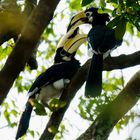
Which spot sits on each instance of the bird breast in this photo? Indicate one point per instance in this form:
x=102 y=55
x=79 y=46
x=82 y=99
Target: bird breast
x=53 y=90
x=48 y=92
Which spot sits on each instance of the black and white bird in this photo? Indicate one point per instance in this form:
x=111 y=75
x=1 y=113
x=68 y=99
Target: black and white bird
x=51 y=83
x=102 y=41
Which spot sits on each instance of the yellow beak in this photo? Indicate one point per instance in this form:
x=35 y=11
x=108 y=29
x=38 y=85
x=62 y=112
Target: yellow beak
x=77 y=20
x=71 y=41
x=72 y=45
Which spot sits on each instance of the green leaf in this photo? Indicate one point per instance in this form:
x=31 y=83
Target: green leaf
x=113 y=1
x=118 y=127
x=138 y=34
x=129 y=28
x=4 y=52
x=39 y=108
x=62 y=126
x=32 y=133
x=13 y=103
x=104 y=11
x=56 y=104
x=7 y=116
x=102 y=3
x=13 y=124
x=136 y=7
x=113 y=22
x=14 y=112
x=120 y=29
x=86 y=2
x=75 y=4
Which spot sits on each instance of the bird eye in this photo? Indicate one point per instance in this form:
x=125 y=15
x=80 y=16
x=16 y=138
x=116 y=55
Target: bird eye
x=88 y=14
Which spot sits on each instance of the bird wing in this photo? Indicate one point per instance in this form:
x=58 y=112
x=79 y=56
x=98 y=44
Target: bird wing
x=109 y=41
x=63 y=70
x=95 y=37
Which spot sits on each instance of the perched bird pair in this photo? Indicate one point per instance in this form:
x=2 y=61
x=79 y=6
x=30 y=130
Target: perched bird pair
x=101 y=41
x=52 y=82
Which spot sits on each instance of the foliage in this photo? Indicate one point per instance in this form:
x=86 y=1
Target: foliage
x=56 y=104
x=125 y=16
x=59 y=135
x=90 y=109
x=39 y=108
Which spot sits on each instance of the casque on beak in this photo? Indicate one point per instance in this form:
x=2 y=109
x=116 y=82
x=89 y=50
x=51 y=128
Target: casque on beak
x=77 y=20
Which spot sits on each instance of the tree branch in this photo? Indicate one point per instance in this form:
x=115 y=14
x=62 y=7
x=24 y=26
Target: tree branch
x=29 y=7
x=114 y=111
x=76 y=83
x=30 y=35
x=122 y=61
x=10 y=29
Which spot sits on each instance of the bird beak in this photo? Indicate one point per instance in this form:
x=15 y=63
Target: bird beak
x=71 y=41
x=77 y=20
x=71 y=46
x=74 y=43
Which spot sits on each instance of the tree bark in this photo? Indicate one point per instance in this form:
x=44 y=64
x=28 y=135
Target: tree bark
x=122 y=61
x=30 y=35
x=76 y=83
x=8 y=25
x=10 y=29
x=114 y=111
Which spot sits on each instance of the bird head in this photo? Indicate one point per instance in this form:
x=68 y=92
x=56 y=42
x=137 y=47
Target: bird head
x=89 y=16
x=63 y=56
x=96 y=18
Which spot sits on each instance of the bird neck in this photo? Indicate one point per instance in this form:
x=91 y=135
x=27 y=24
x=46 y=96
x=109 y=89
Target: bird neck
x=98 y=24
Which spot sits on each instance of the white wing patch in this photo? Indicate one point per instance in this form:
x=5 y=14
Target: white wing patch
x=59 y=84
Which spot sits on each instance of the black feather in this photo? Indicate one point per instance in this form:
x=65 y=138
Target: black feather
x=24 y=121
x=93 y=86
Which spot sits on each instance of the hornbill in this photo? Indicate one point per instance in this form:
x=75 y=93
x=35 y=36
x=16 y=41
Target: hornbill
x=101 y=41
x=51 y=83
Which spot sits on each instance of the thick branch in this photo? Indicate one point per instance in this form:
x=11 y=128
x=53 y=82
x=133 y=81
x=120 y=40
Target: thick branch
x=77 y=82
x=29 y=6
x=10 y=29
x=15 y=63
x=8 y=25
x=122 y=61
x=114 y=111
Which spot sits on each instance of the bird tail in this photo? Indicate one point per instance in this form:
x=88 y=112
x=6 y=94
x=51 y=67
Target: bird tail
x=24 y=121
x=93 y=86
